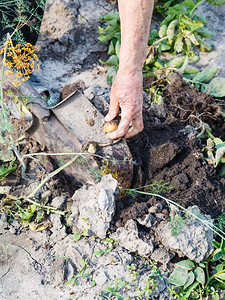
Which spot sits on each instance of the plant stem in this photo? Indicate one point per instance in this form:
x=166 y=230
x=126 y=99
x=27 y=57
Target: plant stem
x=50 y=175
x=211 y=227
x=194 y=8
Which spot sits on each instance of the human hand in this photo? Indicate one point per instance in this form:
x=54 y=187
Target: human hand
x=126 y=93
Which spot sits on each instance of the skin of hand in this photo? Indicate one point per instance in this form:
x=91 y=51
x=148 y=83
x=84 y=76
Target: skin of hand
x=127 y=89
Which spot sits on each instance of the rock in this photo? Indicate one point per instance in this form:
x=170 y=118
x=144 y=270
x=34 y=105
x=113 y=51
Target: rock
x=94 y=207
x=148 y=221
x=100 y=277
x=128 y=238
x=162 y=256
x=58 y=230
x=157 y=110
x=3 y=223
x=58 y=202
x=194 y=240
x=46 y=194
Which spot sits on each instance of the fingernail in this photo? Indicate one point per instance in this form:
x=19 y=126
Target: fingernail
x=107 y=118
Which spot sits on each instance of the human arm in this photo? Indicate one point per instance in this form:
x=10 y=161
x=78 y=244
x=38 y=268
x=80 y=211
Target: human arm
x=127 y=89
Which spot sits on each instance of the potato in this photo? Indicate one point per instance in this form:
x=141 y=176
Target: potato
x=110 y=126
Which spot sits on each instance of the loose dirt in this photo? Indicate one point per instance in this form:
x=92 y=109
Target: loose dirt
x=38 y=264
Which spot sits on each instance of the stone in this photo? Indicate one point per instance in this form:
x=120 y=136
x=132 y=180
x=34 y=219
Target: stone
x=94 y=206
x=58 y=202
x=128 y=238
x=194 y=240
x=148 y=221
x=162 y=256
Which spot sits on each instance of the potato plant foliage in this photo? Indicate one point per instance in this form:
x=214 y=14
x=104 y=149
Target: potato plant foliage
x=181 y=33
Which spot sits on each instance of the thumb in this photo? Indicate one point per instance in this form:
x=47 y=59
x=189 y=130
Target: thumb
x=113 y=108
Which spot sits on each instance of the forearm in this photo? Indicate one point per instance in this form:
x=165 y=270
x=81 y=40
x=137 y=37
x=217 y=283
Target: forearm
x=135 y=16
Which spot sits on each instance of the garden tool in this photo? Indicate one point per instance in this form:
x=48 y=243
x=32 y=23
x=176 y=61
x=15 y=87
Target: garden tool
x=74 y=125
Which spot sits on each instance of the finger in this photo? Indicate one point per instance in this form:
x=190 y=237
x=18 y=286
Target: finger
x=113 y=108
x=122 y=129
x=137 y=127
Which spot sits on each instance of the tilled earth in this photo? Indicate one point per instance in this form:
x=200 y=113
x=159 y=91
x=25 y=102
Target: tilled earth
x=169 y=149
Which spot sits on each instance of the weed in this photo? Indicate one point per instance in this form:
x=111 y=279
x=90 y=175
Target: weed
x=77 y=236
x=212 y=227
x=177 y=223
x=215 y=150
x=200 y=280
x=81 y=273
x=156 y=187
x=108 y=244
x=5 y=249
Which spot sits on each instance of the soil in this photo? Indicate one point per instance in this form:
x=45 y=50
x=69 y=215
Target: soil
x=168 y=149
x=163 y=151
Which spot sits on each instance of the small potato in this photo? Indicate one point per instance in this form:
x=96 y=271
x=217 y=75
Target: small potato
x=110 y=126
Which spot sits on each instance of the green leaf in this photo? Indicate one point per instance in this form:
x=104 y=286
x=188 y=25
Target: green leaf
x=191 y=278
x=104 y=38
x=110 y=17
x=176 y=62
x=170 y=31
x=204 y=45
x=164 y=47
x=191 y=24
x=191 y=70
x=186 y=264
x=220 y=285
x=217 y=256
x=4 y=171
x=216 y=244
x=205 y=75
x=179 y=277
x=218 y=268
x=222 y=171
x=111 y=49
x=117 y=48
x=85 y=232
x=162 y=30
x=217 y=2
x=218 y=142
x=220 y=276
x=112 y=61
x=76 y=236
x=216 y=297
x=178 y=45
x=111 y=74
x=219 y=154
x=199 y=275
x=33 y=208
x=205 y=33
x=216 y=87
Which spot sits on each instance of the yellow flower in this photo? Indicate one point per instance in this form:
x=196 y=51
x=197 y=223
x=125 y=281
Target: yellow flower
x=16 y=83
x=9 y=73
x=19 y=74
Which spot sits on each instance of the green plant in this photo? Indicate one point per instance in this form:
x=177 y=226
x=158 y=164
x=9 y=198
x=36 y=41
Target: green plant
x=108 y=244
x=80 y=274
x=179 y=34
x=77 y=235
x=156 y=187
x=177 y=223
x=215 y=150
x=113 y=290
x=5 y=249
x=212 y=227
x=200 y=280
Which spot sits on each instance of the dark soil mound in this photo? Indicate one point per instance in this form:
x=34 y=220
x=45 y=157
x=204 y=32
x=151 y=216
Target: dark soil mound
x=168 y=150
